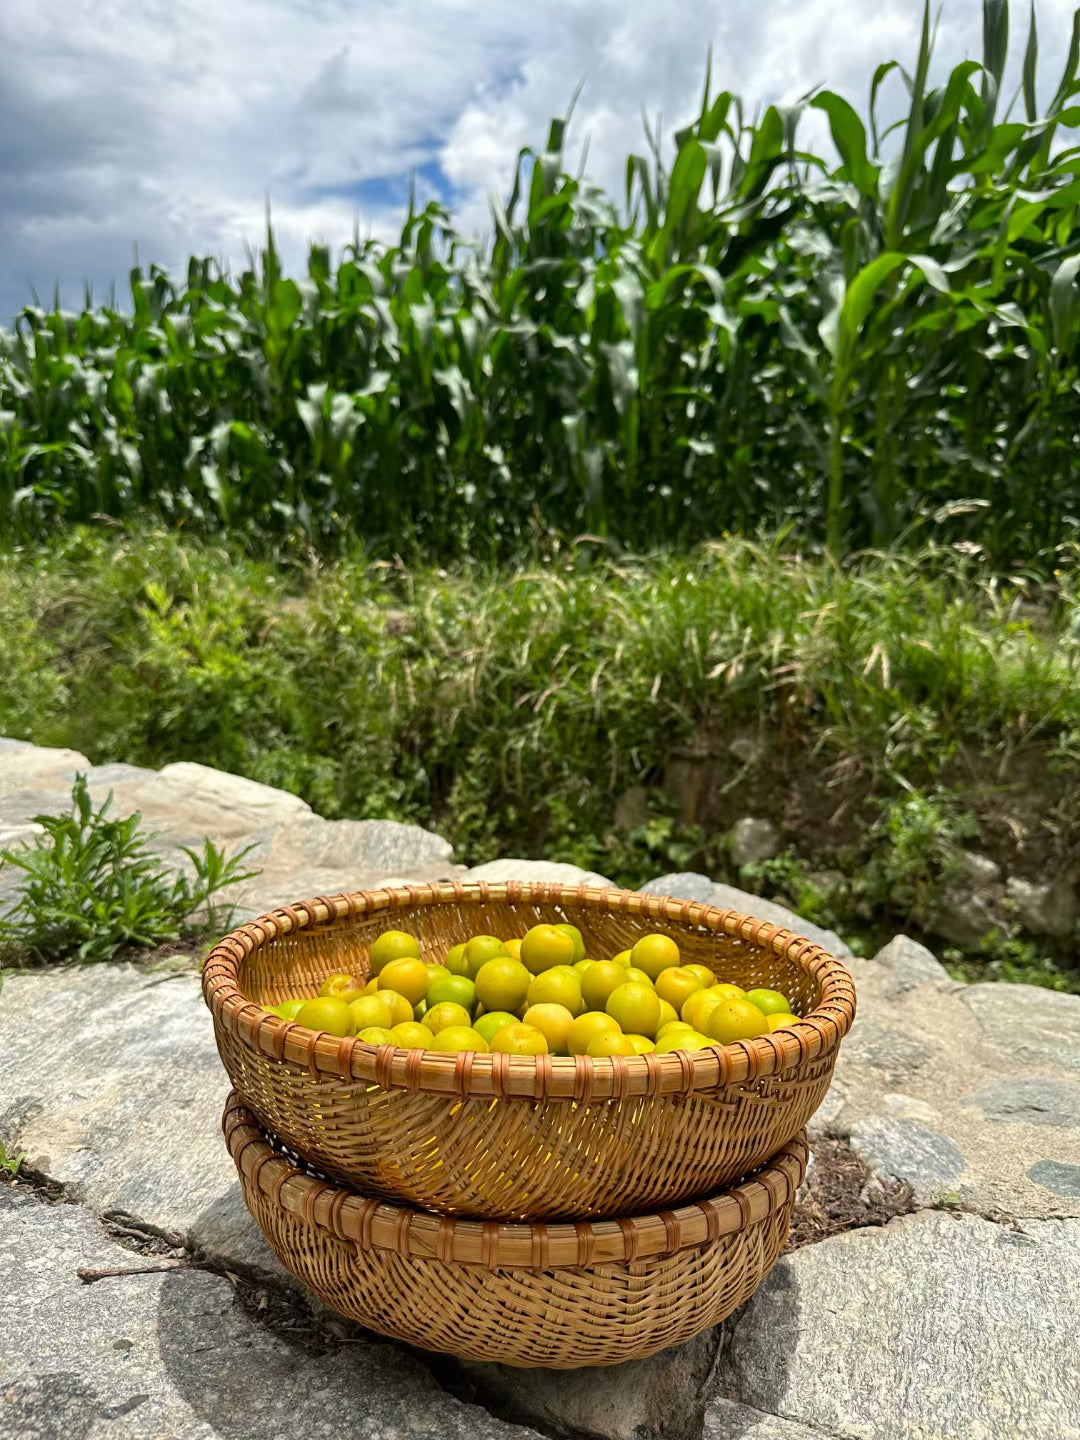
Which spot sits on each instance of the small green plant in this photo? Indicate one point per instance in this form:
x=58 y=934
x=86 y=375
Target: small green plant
x=919 y=853
x=659 y=844
x=10 y=1163
x=93 y=886
x=1013 y=959
x=788 y=877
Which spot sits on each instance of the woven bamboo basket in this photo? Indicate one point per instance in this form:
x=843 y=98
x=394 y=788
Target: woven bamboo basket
x=523 y=1137
x=562 y=1295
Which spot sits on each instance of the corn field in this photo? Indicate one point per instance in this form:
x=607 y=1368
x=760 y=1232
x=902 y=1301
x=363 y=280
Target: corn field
x=867 y=348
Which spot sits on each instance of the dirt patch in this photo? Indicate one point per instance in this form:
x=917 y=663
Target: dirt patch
x=1024 y=799
x=840 y=1195
x=128 y=1232
x=1026 y=804
x=316 y=1329
x=820 y=804
x=29 y=1181
x=174 y=957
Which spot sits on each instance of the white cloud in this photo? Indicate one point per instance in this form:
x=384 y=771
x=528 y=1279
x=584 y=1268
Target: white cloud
x=165 y=126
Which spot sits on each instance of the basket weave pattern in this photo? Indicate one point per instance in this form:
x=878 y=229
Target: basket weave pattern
x=569 y=1295
x=523 y=1137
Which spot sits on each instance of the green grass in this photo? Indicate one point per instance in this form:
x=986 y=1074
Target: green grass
x=510 y=707
x=373 y=688
x=10 y=1164
x=755 y=336
x=506 y=702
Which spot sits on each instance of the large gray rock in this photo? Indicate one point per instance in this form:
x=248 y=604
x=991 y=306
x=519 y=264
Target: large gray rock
x=727 y=1420
x=545 y=872
x=30 y=780
x=687 y=885
x=311 y=856
x=960 y=1090
x=978 y=872
x=297 y=853
x=936 y=1327
x=1046 y=909
x=891 y=1051
x=966 y=917
x=1030 y=1102
x=904 y=1143
x=173 y=1356
x=909 y=965
x=111 y=1084
x=185 y=784
x=753 y=840
x=1057 y=1178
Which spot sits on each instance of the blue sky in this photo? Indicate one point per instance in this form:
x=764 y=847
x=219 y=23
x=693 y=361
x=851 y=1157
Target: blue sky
x=162 y=126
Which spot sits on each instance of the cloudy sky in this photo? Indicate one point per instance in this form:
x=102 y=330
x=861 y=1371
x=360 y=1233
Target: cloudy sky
x=164 y=125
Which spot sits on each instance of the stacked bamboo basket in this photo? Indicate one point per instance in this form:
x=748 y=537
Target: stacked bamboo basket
x=536 y=1210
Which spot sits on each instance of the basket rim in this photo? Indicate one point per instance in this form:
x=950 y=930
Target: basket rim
x=581 y=1078
x=373 y=1224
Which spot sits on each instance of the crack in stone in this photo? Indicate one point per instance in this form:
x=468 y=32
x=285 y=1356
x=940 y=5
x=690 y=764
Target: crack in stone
x=268 y=1304
x=750 y=1414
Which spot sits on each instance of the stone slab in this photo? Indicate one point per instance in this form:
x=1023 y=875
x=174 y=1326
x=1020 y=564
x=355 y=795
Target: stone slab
x=934 y=1069
x=753 y=840
x=1045 y=909
x=727 y=1420
x=906 y=1148
x=1057 y=1178
x=1030 y=1102
x=1026 y=1024
x=893 y=1053
x=111 y=1085
x=173 y=1356
x=937 y=1327
x=910 y=965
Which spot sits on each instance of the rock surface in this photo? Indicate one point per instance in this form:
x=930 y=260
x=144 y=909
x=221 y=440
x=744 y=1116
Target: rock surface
x=938 y=1327
x=663 y=1396
x=966 y=917
x=1025 y=1024
x=686 y=885
x=978 y=872
x=910 y=964
x=727 y=1420
x=173 y=1356
x=111 y=1085
x=124 y=1103
x=298 y=853
x=963 y=1091
x=1049 y=909
x=903 y=1142
x=1057 y=1178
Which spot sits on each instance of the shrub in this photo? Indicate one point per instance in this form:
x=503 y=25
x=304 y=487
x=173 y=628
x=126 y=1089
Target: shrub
x=92 y=886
